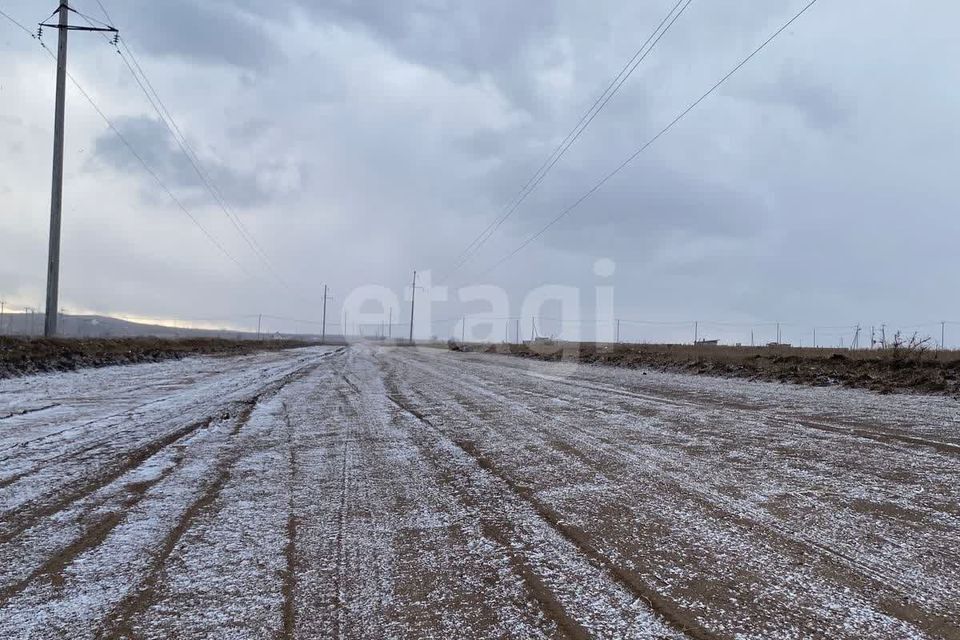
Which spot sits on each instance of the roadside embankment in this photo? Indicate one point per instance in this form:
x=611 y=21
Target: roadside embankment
x=27 y=356
x=885 y=371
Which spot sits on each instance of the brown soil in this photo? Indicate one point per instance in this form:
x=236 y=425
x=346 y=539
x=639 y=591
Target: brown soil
x=885 y=371
x=27 y=356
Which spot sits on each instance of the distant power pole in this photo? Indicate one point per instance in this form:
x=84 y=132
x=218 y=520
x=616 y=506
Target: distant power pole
x=56 y=191
x=463 y=330
x=323 y=323
x=696 y=331
x=814 y=337
x=259 y=322
x=618 y=331
x=533 y=329
x=518 y=331
x=751 y=338
x=413 y=303
x=778 y=333
x=943 y=345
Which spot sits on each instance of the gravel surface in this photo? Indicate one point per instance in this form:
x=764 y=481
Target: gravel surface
x=370 y=492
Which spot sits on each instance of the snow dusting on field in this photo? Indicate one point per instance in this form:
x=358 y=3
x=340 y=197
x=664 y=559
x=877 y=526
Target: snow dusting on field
x=369 y=492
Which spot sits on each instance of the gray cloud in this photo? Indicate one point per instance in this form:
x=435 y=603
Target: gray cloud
x=364 y=139
x=200 y=31
x=818 y=103
x=268 y=181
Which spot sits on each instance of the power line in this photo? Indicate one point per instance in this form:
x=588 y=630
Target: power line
x=652 y=140
x=136 y=155
x=574 y=134
x=191 y=155
x=18 y=24
x=153 y=97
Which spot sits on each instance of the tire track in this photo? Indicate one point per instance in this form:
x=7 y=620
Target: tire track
x=28 y=514
x=290 y=549
x=632 y=583
x=873 y=578
x=32 y=511
x=121 y=619
x=849 y=429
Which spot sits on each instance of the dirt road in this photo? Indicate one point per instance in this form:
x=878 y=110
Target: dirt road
x=370 y=493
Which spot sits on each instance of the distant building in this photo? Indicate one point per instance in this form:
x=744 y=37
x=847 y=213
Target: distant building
x=708 y=343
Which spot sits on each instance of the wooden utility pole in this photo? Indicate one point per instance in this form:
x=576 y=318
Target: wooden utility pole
x=413 y=303
x=259 y=322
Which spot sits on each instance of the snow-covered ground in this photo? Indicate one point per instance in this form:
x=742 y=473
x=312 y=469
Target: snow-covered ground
x=373 y=493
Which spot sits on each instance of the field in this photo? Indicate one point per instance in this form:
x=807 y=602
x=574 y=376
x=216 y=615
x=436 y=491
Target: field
x=382 y=492
x=884 y=370
x=23 y=356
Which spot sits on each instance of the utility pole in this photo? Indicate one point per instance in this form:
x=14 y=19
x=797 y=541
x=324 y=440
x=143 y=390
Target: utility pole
x=518 y=331
x=751 y=338
x=618 y=331
x=323 y=323
x=533 y=329
x=696 y=332
x=56 y=190
x=390 y=324
x=413 y=303
x=778 y=334
x=2 y=304
x=259 y=322
x=814 y=337
x=942 y=331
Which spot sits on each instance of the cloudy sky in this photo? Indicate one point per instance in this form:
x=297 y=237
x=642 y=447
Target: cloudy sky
x=359 y=140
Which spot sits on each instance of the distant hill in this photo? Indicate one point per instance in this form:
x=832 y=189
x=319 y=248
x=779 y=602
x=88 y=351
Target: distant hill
x=75 y=326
